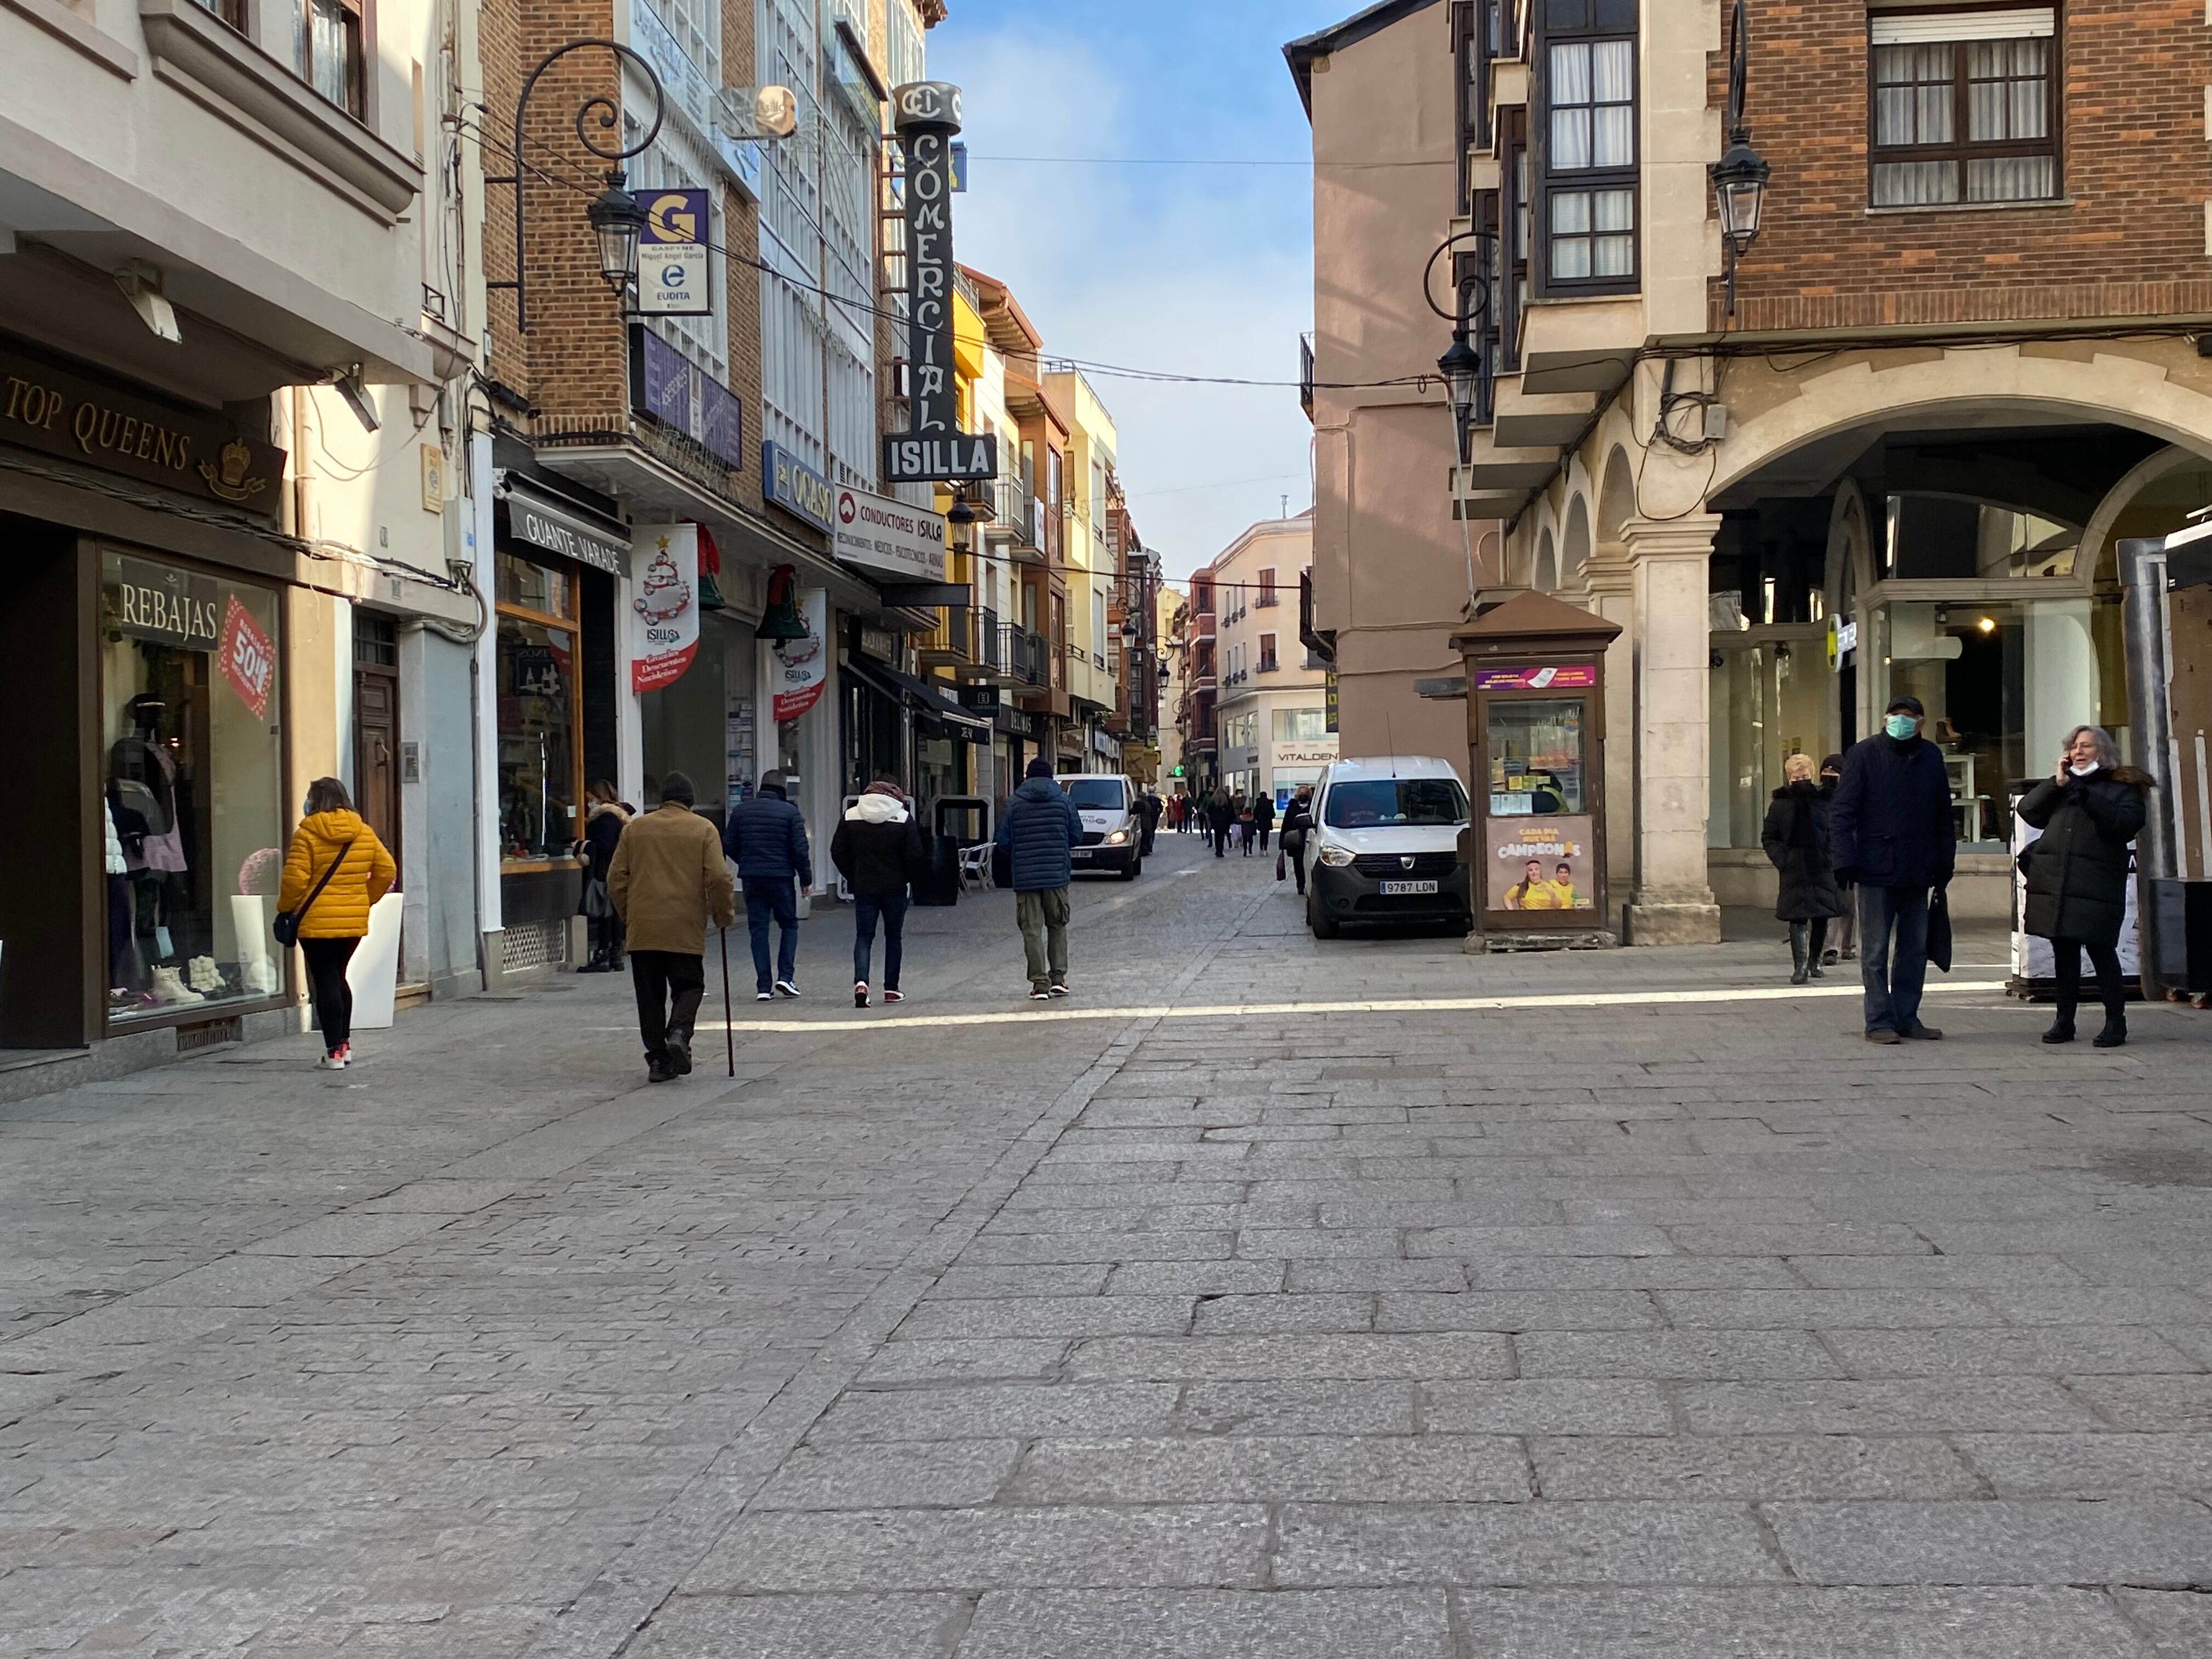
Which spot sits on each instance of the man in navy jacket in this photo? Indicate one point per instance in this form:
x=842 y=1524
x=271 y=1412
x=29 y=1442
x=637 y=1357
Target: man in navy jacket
x=1891 y=831
x=1040 y=826
x=767 y=840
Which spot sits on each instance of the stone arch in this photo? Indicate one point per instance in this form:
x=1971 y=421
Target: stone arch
x=1616 y=502
x=1575 y=540
x=2097 y=534
x=1545 y=575
x=2110 y=388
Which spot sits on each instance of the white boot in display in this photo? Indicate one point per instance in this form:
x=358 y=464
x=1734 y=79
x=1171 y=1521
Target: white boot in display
x=169 y=987
x=202 y=976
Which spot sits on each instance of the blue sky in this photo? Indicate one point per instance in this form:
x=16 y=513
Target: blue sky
x=1194 y=268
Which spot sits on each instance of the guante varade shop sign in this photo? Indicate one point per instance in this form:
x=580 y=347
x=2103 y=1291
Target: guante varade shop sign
x=58 y=413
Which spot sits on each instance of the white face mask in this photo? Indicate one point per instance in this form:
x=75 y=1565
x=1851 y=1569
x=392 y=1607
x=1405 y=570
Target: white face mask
x=2080 y=771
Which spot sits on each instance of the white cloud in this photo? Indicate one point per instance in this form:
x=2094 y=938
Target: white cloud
x=1203 y=270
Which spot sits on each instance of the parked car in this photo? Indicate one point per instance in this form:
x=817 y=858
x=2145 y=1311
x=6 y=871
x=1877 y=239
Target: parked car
x=1108 y=804
x=1385 y=845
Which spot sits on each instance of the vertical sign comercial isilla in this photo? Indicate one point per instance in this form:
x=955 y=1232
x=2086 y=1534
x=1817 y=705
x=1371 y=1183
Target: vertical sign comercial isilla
x=926 y=115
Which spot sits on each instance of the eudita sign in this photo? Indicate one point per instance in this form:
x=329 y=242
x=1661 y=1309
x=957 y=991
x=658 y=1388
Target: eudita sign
x=926 y=115
x=64 y=414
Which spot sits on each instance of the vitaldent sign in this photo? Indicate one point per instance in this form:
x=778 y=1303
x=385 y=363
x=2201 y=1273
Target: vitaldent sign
x=890 y=537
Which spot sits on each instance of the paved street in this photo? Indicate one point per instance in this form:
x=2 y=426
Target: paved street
x=1605 y=1305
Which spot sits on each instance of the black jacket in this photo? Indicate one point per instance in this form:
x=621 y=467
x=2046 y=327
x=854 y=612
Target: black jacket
x=1219 y=813
x=2077 y=869
x=1298 y=819
x=1796 y=842
x=1889 y=822
x=879 y=859
x=1263 y=812
x=767 y=839
x=603 y=830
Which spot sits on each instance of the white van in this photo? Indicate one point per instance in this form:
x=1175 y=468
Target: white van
x=1385 y=845
x=1111 y=806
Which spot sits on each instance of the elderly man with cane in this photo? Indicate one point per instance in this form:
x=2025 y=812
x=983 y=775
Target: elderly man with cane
x=667 y=879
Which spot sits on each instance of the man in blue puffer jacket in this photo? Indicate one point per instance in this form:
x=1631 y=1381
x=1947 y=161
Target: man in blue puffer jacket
x=1889 y=829
x=1041 y=824
x=767 y=840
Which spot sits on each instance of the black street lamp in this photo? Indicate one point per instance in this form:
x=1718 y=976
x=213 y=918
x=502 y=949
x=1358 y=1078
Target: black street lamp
x=615 y=217
x=961 y=519
x=1461 y=364
x=1740 y=176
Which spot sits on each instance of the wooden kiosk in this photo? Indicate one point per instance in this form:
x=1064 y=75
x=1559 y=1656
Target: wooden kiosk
x=1535 y=742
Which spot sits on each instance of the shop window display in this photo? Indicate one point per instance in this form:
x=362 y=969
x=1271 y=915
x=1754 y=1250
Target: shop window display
x=193 y=781
x=540 y=736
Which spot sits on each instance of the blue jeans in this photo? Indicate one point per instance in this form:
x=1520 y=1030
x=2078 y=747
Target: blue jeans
x=1892 y=993
x=866 y=908
x=773 y=898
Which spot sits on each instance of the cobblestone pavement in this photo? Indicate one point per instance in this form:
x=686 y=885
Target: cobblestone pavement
x=1624 y=1306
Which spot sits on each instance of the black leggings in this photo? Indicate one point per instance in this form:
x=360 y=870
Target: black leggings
x=2066 y=962
x=327 y=990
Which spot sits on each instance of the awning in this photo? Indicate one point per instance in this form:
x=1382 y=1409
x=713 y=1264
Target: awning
x=919 y=694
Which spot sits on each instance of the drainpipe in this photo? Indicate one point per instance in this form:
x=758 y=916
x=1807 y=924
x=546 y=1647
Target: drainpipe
x=2142 y=577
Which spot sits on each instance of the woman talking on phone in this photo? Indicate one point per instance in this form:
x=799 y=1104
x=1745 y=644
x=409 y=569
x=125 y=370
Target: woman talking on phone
x=2089 y=810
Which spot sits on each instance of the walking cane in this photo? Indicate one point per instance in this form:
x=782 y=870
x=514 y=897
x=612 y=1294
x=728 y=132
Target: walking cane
x=729 y=1022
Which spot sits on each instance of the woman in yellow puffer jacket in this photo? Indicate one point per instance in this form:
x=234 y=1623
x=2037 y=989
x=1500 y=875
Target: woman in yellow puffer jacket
x=331 y=831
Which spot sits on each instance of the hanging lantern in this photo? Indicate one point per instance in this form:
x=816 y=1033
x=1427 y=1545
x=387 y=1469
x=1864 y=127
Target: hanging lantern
x=779 y=617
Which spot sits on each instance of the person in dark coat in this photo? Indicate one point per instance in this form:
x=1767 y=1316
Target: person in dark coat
x=1297 y=823
x=767 y=840
x=1890 y=831
x=879 y=851
x=1152 y=807
x=1263 y=816
x=1842 y=929
x=1040 y=826
x=2089 y=810
x=604 y=821
x=1796 y=842
x=1218 y=817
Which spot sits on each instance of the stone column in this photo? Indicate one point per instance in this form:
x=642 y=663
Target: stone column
x=1671 y=902
x=1612 y=596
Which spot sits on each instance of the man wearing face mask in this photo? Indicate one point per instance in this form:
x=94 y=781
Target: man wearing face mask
x=1891 y=831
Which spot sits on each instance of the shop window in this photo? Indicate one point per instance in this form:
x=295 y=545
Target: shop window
x=1588 y=130
x=540 y=713
x=1964 y=107
x=194 y=779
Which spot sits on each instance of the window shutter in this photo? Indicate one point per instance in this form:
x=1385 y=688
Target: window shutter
x=2026 y=23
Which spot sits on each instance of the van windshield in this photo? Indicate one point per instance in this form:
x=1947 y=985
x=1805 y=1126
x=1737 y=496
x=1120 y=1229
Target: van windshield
x=1381 y=803
x=1095 y=794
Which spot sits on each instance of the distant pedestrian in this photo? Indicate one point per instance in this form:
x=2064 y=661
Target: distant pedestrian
x=1218 y=817
x=1245 y=826
x=1263 y=816
x=2089 y=810
x=1843 y=930
x=1796 y=838
x=767 y=840
x=605 y=820
x=667 y=880
x=1891 y=831
x=1298 y=824
x=879 y=851
x=335 y=870
x=1040 y=826
x=1152 y=806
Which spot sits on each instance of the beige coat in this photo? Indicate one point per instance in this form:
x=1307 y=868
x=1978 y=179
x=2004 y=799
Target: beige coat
x=666 y=877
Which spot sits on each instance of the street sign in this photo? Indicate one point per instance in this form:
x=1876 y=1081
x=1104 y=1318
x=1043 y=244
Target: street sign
x=673 y=274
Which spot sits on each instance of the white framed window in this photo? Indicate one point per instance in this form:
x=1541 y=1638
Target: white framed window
x=1963 y=106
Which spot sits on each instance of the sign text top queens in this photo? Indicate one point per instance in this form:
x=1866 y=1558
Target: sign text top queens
x=926 y=115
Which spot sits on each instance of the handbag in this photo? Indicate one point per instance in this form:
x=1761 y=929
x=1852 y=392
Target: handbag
x=598 y=903
x=286 y=927
x=1282 y=869
x=1939 y=930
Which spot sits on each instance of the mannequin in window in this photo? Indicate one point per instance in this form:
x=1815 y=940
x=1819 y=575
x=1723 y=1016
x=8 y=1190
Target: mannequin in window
x=142 y=780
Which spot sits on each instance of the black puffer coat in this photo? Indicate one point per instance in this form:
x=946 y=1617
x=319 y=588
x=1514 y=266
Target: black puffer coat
x=2077 y=869
x=1796 y=842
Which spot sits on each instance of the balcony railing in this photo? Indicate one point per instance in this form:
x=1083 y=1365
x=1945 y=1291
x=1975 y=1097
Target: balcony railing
x=953 y=639
x=1268 y=597
x=1268 y=666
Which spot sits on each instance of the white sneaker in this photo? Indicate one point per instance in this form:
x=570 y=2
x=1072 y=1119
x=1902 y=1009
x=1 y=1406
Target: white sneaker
x=332 y=1062
x=1040 y=996
x=785 y=988
x=764 y=996
x=1057 y=991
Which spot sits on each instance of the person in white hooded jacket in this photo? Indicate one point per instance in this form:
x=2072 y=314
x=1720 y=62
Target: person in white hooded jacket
x=879 y=849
